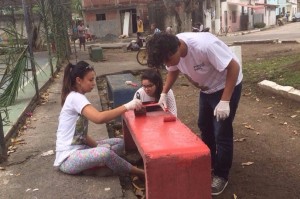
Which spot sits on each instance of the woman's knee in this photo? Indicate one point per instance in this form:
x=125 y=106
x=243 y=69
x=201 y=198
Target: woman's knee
x=102 y=152
x=120 y=141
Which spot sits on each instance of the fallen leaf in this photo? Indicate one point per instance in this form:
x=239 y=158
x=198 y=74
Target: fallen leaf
x=28 y=189
x=17 y=141
x=247 y=94
x=249 y=127
x=107 y=189
x=270 y=107
x=2 y=168
x=47 y=153
x=234 y=196
x=247 y=163
x=293 y=116
x=139 y=192
x=283 y=123
x=11 y=147
x=36 y=189
x=240 y=140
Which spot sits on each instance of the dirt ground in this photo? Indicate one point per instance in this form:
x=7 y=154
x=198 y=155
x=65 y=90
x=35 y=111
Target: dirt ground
x=267 y=129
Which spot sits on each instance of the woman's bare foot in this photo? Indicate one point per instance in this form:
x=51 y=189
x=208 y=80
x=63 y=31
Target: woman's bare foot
x=139 y=172
x=99 y=171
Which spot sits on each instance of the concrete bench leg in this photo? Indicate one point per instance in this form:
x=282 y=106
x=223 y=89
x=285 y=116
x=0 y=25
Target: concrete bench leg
x=128 y=140
x=181 y=177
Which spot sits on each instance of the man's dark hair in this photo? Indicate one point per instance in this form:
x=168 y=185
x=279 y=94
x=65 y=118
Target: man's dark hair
x=160 y=47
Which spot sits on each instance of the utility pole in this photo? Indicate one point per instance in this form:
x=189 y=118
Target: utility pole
x=217 y=16
x=249 y=16
x=46 y=25
x=28 y=24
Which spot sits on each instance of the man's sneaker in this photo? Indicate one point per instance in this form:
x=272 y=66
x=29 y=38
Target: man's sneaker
x=218 y=185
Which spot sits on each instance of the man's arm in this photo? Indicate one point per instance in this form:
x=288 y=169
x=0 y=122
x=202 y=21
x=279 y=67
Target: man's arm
x=222 y=110
x=171 y=78
x=233 y=70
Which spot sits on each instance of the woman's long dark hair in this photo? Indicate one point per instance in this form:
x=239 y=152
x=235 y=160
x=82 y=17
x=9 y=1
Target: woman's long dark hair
x=154 y=77
x=70 y=74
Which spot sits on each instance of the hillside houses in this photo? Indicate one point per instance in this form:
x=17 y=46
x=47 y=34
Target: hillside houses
x=118 y=17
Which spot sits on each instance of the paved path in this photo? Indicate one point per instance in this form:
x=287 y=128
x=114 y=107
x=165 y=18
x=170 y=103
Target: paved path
x=27 y=170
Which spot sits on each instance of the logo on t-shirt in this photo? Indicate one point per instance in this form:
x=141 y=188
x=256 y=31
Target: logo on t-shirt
x=80 y=131
x=199 y=67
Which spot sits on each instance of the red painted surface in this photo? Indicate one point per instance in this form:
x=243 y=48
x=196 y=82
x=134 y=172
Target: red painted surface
x=176 y=161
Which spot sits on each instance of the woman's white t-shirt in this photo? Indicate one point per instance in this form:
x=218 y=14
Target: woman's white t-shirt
x=206 y=61
x=171 y=103
x=72 y=127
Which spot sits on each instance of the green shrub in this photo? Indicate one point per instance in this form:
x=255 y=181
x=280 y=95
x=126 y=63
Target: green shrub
x=259 y=25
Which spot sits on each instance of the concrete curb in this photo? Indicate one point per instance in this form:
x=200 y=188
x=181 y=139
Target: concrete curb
x=265 y=41
x=285 y=91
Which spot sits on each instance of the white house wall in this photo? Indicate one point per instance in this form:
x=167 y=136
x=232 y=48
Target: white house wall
x=224 y=7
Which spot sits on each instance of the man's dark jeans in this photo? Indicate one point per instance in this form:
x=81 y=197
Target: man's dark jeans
x=218 y=136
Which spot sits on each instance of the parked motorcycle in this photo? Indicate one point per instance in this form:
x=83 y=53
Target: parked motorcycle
x=280 y=21
x=198 y=30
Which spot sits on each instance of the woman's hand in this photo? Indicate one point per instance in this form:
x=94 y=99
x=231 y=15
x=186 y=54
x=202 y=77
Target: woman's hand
x=134 y=104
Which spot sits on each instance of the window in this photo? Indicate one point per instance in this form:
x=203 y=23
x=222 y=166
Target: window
x=233 y=16
x=100 y=17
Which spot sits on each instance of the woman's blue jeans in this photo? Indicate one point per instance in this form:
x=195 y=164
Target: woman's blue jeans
x=218 y=136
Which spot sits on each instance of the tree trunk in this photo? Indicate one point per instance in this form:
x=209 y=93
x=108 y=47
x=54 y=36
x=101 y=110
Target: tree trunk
x=3 y=150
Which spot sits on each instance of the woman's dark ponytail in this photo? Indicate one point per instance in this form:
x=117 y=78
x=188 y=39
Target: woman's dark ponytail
x=67 y=84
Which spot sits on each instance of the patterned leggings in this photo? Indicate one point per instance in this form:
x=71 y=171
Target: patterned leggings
x=106 y=153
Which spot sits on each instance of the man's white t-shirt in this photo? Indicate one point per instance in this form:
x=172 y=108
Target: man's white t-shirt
x=72 y=127
x=206 y=61
x=171 y=103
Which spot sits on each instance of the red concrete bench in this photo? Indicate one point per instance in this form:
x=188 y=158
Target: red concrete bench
x=176 y=161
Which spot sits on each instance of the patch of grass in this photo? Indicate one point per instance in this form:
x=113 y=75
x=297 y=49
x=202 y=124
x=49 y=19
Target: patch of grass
x=284 y=70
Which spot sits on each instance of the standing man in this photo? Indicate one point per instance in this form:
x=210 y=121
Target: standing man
x=140 y=30
x=210 y=65
x=81 y=34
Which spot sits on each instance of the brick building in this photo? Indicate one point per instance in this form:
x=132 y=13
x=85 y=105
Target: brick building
x=111 y=18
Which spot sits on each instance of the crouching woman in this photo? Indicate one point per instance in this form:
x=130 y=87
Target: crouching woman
x=76 y=151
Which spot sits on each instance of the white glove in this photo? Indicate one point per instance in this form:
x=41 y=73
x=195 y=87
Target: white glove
x=134 y=104
x=163 y=101
x=222 y=110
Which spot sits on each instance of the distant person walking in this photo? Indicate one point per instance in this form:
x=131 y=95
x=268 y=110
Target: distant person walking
x=81 y=34
x=140 y=30
x=140 y=26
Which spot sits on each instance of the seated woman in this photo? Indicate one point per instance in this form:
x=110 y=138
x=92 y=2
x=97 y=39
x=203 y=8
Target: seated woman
x=76 y=151
x=151 y=89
